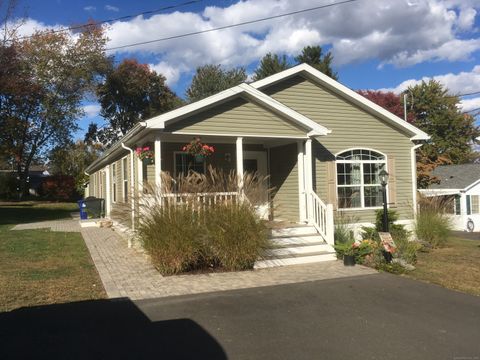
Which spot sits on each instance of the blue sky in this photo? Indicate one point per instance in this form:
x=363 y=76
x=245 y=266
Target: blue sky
x=377 y=44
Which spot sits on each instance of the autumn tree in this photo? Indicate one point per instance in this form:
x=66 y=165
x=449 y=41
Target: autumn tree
x=131 y=92
x=388 y=100
x=313 y=56
x=211 y=79
x=48 y=75
x=72 y=159
x=270 y=64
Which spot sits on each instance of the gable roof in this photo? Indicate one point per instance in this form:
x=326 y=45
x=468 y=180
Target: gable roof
x=313 y=128
x=456 y=176
x=359 y=100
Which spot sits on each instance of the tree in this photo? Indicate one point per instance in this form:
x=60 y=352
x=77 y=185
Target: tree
x=48 y=75
x=270 y=64
x=388 y=100
x=211 y=79
x=453 y=134
x=313 y=56
x=73 y=159
x=131 y=92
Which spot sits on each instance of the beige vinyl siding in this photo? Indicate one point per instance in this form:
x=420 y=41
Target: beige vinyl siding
x=351 y=127
x=284 y=180
x=237 y=117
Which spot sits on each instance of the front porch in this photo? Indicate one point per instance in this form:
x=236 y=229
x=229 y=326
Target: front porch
x=286 y=163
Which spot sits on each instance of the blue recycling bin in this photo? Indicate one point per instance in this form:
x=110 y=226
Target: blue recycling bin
x=83 y=209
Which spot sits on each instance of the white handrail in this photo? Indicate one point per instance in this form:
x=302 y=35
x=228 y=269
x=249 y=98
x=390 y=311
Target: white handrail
x=320 y=215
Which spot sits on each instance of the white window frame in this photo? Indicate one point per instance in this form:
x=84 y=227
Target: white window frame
x=114 y=183
x=125 y=179
x=175 y=153
x=362 y=184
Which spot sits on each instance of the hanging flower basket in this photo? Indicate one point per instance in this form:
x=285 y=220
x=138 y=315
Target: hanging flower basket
x=145 y=154
x=198 y=149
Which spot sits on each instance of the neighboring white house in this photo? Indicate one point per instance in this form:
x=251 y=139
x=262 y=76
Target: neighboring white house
x=461 y=184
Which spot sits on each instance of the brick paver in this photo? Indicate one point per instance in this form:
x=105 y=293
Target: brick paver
x=56 y=225
x=127 y=272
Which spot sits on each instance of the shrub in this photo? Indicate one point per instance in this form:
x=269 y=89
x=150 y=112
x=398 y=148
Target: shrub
x=196 y=233
x=8 y=185
x=236 y=236
x=59 y=187
x=433 y=224
x=172 y=236
x=342 y=232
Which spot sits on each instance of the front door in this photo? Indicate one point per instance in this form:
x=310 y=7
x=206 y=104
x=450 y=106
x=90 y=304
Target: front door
x=256 y=162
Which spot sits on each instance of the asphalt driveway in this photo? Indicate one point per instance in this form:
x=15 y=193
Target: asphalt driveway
x=369 y=317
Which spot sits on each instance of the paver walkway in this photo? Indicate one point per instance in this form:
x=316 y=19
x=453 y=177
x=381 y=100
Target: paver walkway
x=127 y=272
x=55 y=225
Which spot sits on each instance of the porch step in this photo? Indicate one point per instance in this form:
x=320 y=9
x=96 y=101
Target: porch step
x=294 y=231
x=297 y=244
x=262 y=264
x=299 y=250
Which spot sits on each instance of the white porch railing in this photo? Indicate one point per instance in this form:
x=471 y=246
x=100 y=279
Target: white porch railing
x=320 y=215
x=200 y=198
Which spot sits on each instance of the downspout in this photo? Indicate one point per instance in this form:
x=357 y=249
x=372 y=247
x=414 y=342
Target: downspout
x=414 y=178
x=132 y=186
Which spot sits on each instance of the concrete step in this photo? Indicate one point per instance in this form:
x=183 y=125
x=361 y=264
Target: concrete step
x=297 y=240
x=267 y=263
x=299 y=250
x=294 y=231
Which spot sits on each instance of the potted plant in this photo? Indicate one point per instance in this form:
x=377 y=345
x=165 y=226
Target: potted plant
x=198 y=149
x=145 y=154
x=349 y=255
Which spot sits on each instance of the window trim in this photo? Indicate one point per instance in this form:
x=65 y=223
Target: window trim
x=362 y=184
x=175 y=153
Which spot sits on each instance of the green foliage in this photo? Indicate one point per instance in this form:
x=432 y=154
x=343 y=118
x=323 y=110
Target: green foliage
x=433 y=224
x=43 y=81
x=342 y=232
x=236 y=236
x=211 y=79
x=72 y=160
x=313 y=56
x=130 y=93
x=452 y=133
x=8 y=185
x=270 y=64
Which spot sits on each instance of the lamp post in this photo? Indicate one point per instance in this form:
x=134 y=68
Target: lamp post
x=384 y=181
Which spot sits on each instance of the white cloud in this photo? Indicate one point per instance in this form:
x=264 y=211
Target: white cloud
x=461 y=83
x=90 y=8
x=470 y=104
x=394 y=32
x=112 y=8
x=91 y=110
x=397 y=32
x=171 y=73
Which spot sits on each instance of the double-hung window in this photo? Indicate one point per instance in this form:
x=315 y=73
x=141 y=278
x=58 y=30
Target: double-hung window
x=358 y=180
x=125 y=179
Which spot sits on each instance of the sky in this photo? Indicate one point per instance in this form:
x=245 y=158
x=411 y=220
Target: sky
x=377 y=44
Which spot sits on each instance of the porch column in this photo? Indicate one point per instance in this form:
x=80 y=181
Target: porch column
x=158 y=164
x=301 y=182
x=308 y=175
x=108 y=200
x=239 y=153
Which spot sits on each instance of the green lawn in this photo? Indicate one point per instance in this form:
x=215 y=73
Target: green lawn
x=40 y=266
x=455 y=266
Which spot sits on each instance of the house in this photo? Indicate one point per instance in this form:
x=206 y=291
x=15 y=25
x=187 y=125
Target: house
x=36 y=175
x=459 y=187
x=321 y=143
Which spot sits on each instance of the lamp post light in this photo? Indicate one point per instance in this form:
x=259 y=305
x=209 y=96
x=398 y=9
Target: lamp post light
x=384 y=181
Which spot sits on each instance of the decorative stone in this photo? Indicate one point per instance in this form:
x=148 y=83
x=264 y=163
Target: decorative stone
x=403 y=264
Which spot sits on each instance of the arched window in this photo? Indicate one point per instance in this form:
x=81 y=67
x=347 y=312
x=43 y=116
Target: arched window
x=358 y=182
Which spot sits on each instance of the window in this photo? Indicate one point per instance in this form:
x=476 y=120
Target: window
x=114 y=183
x=458 y=209
x=475 y=204
x=358 y=180
x=125 y=179
x=185 y=162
